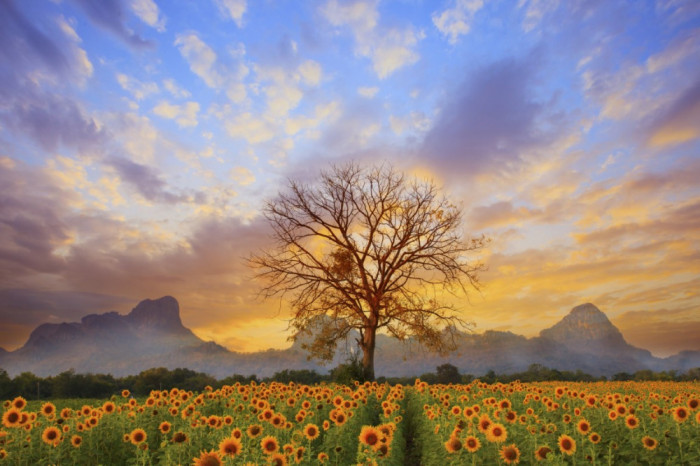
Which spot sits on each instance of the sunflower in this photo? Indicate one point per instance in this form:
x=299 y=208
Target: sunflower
x=631 y=421
x=583 y=427
x=453 y=445
x=472 y=444
x=693 y=403
x=680 y=414
x=370 y=436
x=311 y=431
x=277 y=459
x=19 y=403
x=649 y=443
x=179 y=437
x=299 y=454
x=51 y=436
x=269 y=445
x=567 y=445
x=76 y=441
x=230 y=447
x=322 y=457
x=165 y=427
x=542 y=452
x=12 y=418
x=48 y=409
x=137 y=436
x=108 y=407
x=254 y=430
x=496 y=433
x=126 y=393
x=510 y=454
x=484 y=423
x=3 y=454
x=208 y=458
x=594 y=437
x=340 y=418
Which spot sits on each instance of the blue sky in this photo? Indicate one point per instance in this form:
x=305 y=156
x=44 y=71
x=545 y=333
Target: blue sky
x=139 y=139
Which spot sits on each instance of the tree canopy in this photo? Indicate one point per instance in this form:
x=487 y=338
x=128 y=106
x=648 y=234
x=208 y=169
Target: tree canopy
x=366 y=249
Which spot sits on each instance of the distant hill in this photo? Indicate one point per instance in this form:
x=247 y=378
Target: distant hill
x=152 y=335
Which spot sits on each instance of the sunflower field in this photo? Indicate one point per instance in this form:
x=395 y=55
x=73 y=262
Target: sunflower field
x=370 y=423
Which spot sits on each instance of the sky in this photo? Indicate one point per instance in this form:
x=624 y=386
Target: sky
x=139 y=140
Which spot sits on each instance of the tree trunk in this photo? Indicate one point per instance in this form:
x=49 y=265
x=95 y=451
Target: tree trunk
x=368 y=343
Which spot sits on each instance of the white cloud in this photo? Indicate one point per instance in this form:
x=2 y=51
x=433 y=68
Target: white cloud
x=393 y=51
x=536 y=10
x=368 y=92
x=415 y=121
x=361 y=16
x=203 y=63
x=184 y=115
x=235 y=9
x=148 y=12
x=388 y=50
x=68 y=29
x=175 y=90
x=242 y=176
x=201 y=58
x=310 y=72
x=138 y=89
x=83 y=65
x=324 y=113
x=456 y=21
x=251 y=128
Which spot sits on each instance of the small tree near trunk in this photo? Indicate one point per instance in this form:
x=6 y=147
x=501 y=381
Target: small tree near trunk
x=368 y=249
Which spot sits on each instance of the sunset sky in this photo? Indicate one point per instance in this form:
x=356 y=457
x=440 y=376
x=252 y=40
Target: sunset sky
x=140 y=138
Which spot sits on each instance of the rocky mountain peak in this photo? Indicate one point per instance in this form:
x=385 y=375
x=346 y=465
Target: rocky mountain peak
x=584 y=323
x=160 y=314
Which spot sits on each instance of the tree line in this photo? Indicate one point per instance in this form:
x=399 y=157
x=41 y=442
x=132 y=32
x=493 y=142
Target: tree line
x=69 y=384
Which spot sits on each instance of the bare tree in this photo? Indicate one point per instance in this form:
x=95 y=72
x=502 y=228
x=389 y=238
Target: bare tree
x=368 y=249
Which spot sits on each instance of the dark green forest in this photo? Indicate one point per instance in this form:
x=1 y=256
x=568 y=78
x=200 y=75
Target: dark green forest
x=71 y=385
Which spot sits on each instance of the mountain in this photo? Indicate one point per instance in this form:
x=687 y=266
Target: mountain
x=152 y=335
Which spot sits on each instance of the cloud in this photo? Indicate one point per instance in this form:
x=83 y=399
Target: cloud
x=456 y=21
x=234 y=9
x=201 y=58
x=110 y=16
x=499 y=214
x=175 y=90
x=388 y=49
x=26 y=50
x=535 y=12
x=51 y=120
x=490 y=121
x=203 y=62
x=146 y=180
x=681 y=122
x=148 y=12
x=138 y=89
x=242 y=176
x=664 y=331
x=185 y=115
x=310 y=72
x=367 y=92
x=250 y=127
x=33 y=222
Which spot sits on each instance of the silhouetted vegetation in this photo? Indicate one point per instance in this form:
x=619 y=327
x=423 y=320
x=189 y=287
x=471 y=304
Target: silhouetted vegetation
x=68 y=384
